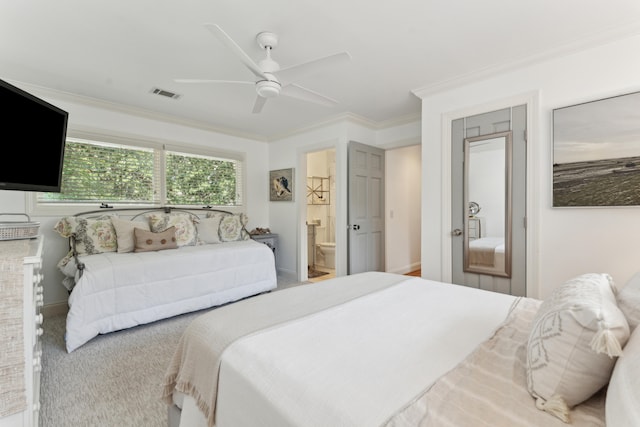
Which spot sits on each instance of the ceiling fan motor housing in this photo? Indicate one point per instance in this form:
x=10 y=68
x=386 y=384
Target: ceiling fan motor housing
x=268 y=88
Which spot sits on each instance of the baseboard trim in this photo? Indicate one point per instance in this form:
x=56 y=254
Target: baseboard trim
x=407 y=269
x=288 y=274
x=56 y=309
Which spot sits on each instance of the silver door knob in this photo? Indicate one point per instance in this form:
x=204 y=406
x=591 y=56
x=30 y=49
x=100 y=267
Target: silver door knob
x=456 y=232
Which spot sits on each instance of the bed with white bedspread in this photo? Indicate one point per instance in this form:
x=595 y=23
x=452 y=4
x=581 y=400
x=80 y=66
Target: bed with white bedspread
x=118 y=282
x=379 y=349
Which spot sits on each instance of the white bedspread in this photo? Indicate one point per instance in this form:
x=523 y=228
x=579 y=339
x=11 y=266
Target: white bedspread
x=357 y=363
x=121 y=290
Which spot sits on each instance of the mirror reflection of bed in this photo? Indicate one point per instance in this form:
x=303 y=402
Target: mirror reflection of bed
x=488 y=203
x=487 y=252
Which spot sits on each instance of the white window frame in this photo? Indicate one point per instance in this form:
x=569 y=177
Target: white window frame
x=36 y=209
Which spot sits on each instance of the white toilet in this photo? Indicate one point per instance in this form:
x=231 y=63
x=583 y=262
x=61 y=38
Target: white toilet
x=326 y=254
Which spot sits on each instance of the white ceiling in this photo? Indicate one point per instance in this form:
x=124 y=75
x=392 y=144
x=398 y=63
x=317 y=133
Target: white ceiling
x=119 y=50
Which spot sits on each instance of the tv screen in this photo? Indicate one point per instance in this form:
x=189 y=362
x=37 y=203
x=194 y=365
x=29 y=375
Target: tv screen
x=33 y=134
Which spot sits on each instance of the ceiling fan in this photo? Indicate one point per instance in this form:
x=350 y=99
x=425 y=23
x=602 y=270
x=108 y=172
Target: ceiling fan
x=267 y=84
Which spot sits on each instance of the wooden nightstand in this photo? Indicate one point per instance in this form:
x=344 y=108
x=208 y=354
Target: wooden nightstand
x=270 y=240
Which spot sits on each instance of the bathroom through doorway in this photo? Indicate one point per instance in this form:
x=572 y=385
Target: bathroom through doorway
x=321 y=214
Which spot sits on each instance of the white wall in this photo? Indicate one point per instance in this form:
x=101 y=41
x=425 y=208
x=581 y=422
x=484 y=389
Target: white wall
x=402 y=199
x=569 y=241
x=288 y=218
x=99 y=118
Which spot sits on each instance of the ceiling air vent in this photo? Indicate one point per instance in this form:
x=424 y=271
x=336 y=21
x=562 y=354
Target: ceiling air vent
x=166 y=93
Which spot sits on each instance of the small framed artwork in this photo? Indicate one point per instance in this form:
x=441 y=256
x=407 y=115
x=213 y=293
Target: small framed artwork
x=281 y=185
x=596 y=153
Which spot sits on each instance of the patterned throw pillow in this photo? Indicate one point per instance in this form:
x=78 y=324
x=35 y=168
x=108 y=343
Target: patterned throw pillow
x=575 y=338
x=149 y=241
x=93 y=235
x=186 y=234
x=232 y=227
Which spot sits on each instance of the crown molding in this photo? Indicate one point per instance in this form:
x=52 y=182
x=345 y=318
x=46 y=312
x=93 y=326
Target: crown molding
x=135 y=111
x=585 y=43
x=153 y=115
x=350 y=118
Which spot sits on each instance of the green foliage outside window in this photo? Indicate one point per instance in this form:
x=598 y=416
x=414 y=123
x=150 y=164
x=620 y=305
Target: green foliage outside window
x=194 y=180
x=95 y=172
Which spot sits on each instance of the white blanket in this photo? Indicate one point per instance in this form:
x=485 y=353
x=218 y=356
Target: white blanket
x=357 y=363
x=121 y=290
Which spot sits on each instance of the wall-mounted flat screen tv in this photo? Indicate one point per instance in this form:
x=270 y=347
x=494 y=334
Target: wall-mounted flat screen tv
x=33 y=134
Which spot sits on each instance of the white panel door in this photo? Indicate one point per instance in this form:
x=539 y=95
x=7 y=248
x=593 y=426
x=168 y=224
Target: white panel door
x=365 y=208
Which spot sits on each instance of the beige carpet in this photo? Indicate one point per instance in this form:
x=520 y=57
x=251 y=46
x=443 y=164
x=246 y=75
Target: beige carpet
x=114 y=379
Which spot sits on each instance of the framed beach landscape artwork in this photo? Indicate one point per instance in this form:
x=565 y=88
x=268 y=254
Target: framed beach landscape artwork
x=596 y=153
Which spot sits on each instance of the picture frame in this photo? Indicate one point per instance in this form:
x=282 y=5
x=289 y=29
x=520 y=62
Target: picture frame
x=596 y=153
x=281 y=185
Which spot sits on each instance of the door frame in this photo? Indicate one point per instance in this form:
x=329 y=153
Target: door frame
x=340 y=199
x=532 y=199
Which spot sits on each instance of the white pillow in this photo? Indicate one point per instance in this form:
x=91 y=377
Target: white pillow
x=629 y=301
x=209 y=230
x=623 y=394
x=124 y=233
x=575 y=337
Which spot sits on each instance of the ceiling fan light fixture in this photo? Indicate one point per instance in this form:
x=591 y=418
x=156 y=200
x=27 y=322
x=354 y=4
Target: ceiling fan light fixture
x=268 y=88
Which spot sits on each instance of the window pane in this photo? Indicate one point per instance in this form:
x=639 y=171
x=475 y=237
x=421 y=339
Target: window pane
x=201 y=180
x=105 y=173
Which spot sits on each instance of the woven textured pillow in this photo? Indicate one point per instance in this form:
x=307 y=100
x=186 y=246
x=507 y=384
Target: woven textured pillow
x=149 y=241
x=186 y=234
x=575 y=338
x=629 y=301
x=124 y=233
x=92 y=235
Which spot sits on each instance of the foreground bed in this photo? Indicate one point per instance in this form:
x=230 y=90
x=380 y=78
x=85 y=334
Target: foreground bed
x=373 y=349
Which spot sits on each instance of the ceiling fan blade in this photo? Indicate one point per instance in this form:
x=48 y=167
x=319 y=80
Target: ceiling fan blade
x=228 y=41
x=336 y=58
x=296 y=91
x=260 y=101
x=212 y=81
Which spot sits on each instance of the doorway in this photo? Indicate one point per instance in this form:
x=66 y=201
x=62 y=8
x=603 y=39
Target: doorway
x=321 y=214
x=325 y=165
